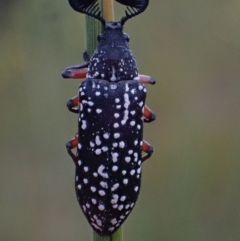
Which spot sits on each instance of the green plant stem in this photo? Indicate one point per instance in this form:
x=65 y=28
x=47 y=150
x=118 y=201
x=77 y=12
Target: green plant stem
x=93 y=29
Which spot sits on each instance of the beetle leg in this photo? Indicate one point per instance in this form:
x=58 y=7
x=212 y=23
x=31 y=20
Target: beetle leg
x=146 y=147
x=149 y=116
x=71 y=145
x=145 y=79
x=75 y=72
x=73 y=104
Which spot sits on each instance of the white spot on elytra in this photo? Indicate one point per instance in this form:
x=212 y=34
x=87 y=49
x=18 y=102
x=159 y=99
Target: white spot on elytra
x=124 y=172
x=86 y=169
x=120 y=207
x=115 y=186
x=99 y=222
x=97 y=93
x=114 y=156
x=121 y=144
x=104 y=184
x=133 y=112
x=94 y=201
x=114 y=168
x=114 y=221
x=115 y=199
x=135 y=157
x=125 y=181
x=79 y=162
x=92 y=144
x=127 y=159
x=132 y=123
x=90 y=103
x=116 y=115
x=97 y=140
x=116 y=135
x=101 y=192
x=105 y=148
x=132 y=172
x=98 y=111
x=113 y=78
x=101 y=173
x=115 y=144
x=116 y=125
x=106 y=135
x=79 y=146
x=85 y=180
x=93 y=224
x=123 y=198
x=117 y=100
x=126 y=112
x=84 y=124
x=79 y=187
x=130 y=152
x=98 y=151
x=101 y=207
x=136 y=188
x=140 y=87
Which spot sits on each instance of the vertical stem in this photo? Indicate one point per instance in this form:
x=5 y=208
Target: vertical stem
x=93 y=29
x=118 y=235
x=108 y=10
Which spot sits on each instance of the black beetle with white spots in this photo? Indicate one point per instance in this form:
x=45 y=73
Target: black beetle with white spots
x=111 y=108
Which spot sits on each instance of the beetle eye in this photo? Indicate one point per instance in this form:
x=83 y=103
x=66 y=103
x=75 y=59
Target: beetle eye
x=126 y=36
x=99 y=37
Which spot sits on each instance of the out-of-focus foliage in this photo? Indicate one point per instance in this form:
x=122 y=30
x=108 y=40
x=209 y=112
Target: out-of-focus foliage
x=190 y=186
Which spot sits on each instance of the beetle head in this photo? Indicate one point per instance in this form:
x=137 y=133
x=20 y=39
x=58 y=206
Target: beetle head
x=113 y=59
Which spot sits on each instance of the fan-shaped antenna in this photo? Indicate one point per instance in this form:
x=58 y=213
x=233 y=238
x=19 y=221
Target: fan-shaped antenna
x=134 y=7
x=89 y=7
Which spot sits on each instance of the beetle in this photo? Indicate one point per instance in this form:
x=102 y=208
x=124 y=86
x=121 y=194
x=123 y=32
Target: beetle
x=111 y=108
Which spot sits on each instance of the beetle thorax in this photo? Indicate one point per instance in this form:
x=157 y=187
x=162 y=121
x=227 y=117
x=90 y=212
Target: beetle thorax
x=113 y=60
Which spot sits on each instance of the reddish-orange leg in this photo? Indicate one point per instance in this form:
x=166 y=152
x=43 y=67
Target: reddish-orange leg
x=71 y=145
x=149 y=116
x=145 y=79
x=73 y=104
x=146 y=147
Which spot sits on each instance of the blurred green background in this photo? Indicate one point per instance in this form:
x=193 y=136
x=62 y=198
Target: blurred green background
x=190 y=186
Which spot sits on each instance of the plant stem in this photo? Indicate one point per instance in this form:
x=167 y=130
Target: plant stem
x=93 y=29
